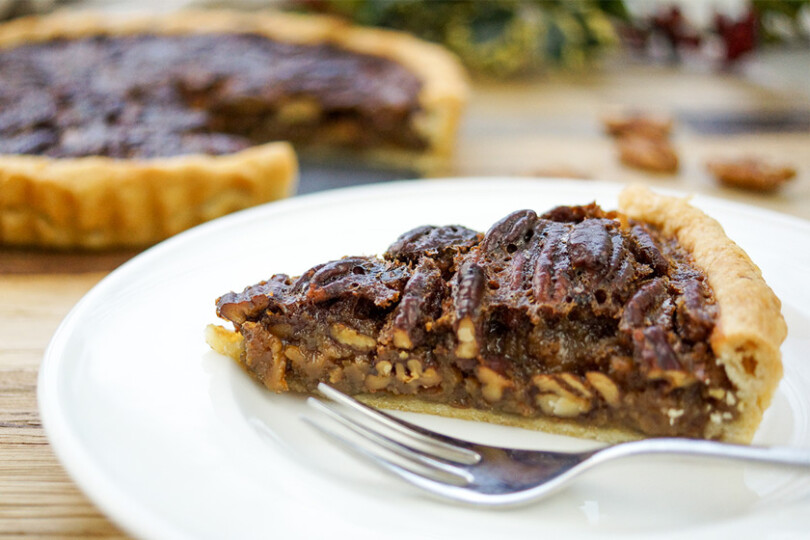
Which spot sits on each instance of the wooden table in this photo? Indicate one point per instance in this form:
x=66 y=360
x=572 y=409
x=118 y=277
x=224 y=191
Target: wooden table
x=511 y=129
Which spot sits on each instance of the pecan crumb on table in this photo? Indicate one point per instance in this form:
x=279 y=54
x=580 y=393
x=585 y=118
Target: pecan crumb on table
x=643 y=141
x=648 y=125
x=652 y=154
x=750 y=173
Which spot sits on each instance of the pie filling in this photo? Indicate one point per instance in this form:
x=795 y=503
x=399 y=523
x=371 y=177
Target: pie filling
x=154 y=96
x=576 y=314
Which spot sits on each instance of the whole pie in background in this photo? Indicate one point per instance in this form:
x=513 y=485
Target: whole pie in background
x=122 y=131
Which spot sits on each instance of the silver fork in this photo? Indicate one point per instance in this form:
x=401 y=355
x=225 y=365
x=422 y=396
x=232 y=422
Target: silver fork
x=485 y=475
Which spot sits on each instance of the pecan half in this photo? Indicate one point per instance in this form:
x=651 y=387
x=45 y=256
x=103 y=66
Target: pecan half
x=546 y=281
x=590 y=244
x=440 y=243
x=421 y=302
x=653 y=154
x=508 y=233
x=371 y=279
x=645 y=125
x=467 y=297
x=750 y=173
x=253 y=301
x=647 y=251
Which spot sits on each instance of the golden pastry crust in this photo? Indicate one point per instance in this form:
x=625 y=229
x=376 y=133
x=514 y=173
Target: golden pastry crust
x=750 y=327
x=98 y=202
x=55 y=202
x=746 y=339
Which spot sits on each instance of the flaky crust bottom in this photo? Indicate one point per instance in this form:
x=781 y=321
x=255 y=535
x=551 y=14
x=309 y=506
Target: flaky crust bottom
x=746 y=339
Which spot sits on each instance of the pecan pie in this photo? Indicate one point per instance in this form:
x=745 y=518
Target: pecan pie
x=125 y=131
x=646 y=321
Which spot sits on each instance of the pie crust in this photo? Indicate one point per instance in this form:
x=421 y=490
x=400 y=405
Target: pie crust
x=99 y=202
x=745 y=339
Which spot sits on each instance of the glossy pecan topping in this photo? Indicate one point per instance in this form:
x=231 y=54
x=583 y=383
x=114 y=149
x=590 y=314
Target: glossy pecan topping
x=441 y=244
x=144 y=96
x=574 y=312
x=420 y=304
x=362 y=277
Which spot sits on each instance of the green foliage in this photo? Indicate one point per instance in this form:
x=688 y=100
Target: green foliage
x=504 y=38
x=780 y=20
x=500 y=38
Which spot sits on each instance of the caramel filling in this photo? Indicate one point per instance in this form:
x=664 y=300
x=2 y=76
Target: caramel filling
x=151 y=96
x=575 y=314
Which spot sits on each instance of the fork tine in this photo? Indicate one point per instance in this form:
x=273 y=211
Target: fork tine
x=401 y=449
x=446 y=447
x=434 y=486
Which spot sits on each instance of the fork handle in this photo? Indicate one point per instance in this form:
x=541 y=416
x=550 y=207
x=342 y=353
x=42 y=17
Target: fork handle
x=774 y=455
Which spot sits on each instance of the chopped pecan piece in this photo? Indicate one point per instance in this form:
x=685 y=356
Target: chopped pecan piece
x=558 y=397
x=653 y=351
x=250 y=303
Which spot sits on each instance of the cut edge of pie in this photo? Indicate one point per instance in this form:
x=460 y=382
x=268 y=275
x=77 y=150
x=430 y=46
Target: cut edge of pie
x=69 y=202
x=230 y=343
x=745 y=340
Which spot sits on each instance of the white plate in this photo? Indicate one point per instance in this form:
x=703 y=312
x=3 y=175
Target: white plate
x=172 y=440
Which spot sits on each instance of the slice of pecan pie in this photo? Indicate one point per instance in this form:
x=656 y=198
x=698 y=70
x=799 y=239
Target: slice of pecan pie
x=647 y=321
x=123 y=131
